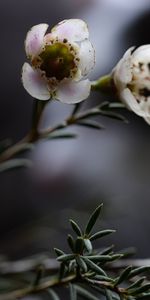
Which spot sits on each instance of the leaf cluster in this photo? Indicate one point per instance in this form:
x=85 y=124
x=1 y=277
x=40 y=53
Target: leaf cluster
x=91 y=268
x=86 y=272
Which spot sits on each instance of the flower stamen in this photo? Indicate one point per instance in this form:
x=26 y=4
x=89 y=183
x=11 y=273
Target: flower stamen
x=57 y=61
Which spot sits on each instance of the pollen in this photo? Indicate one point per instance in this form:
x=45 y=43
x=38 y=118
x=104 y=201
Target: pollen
x=57 y=61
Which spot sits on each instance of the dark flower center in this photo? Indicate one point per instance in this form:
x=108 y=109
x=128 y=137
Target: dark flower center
x=57 y=61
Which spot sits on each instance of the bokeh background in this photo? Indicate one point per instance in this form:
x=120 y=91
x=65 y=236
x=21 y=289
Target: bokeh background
x=71 y=177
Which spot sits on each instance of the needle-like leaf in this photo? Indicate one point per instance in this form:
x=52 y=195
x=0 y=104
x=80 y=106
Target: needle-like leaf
x=93 y=219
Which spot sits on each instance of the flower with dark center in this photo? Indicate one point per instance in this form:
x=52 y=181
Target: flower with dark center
x=60 y=61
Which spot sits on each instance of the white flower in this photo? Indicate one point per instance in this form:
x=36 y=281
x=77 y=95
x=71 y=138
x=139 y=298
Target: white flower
x=59 y=62
x=132 y=80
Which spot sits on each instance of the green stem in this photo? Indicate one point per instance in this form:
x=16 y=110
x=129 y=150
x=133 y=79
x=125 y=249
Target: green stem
x=36 y=116
x=104 y=84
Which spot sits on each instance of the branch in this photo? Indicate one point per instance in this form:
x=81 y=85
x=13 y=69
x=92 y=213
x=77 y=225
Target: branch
x=36 y=289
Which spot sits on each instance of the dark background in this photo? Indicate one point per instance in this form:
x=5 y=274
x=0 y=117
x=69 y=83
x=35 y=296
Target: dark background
x=71 y=177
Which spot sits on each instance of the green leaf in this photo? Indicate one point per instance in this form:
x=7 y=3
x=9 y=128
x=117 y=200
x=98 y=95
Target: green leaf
x=88 y=245
x=108 y=294
x=22 y=147
x=72 y=266
x=101 y=291
x=15 y=163
x=81 y=263
x=103 y=104
x=62 y=270
x=25 y=147
x=116 y=256
x=114 y=115
x=75 y=227
x=107 y=250
x=53 y=294
x=58 y=252
x=71 y=242
x=61 y=136
x=89 y=113
x=90 y=124
x=141 y=289
x=143 y=295
x=138 y=271
x=103 y=278
x=93 y=266
x=65 y=257
x=77 y=107
x=124 y=275
x=116 y=105
x=93 y=219
x=101 y=233
x=127 y=252
x=79 y=245
x=85 y=293
x=137 y=283
x=73 y=292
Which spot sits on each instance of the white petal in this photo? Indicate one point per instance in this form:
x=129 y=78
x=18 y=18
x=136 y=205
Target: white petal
x=142 y=54
x=123 y=70
x=141 y=49
x=130 y=101
x=87 y=57
x=48 y=38
x=73 y=30
x=34 y=39
x=73 y=92
x=34 y=84
x=147 y=119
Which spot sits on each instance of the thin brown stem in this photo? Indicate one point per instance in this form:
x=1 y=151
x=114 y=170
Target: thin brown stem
x=33 y=136
x=72 y=120
x=15 y=149
x=20 y=293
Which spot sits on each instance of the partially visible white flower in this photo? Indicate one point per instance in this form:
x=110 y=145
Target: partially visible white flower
x=132 y=80
x=59 y=62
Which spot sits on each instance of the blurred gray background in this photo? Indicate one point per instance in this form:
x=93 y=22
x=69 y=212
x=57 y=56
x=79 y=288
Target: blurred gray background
x=71 y=177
